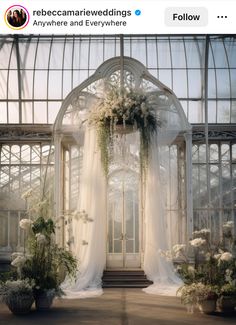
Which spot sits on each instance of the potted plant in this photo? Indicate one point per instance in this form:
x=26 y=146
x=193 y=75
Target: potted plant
x=44 y=262
x=17 y=295
x=198 y=294
x=227 y=298
x=188 y=295
x=207 y=297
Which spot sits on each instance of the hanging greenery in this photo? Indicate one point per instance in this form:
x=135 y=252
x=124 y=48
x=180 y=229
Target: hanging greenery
x=120 y=112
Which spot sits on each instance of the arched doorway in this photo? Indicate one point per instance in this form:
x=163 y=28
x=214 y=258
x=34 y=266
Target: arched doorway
x=123 y=221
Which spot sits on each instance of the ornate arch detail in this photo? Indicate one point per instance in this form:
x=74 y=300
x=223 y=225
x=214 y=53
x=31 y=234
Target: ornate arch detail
x=104 y=71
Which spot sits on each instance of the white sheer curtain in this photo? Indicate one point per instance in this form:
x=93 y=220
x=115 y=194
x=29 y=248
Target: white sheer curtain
x=90 y=233
x=157 y=267
x=89 y=225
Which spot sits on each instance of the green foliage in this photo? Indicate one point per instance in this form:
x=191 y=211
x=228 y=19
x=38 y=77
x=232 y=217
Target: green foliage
x=228 y=289
x=46 y=260
x=10 y=275
x=45 y=227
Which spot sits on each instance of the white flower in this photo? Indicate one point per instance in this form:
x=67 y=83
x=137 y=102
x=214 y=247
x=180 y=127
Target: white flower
x=191 y=269
x=226 y=257
x=228 y=274
x=25 y=224
x=197 y=242
x=40 y=238
x=178 y=248
x=27 y=194
x=16 y=254
x=217 y=256
x=208 y=256
x=228 y=224
x=19 y=261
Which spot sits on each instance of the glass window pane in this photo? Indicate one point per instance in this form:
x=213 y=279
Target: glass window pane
x=196 y=112
x=180 y=88
x=164 y=54
x=211 y=111
x=43 y=54
x=178 y=54
x=214 y=153
x=54 y=87
x=27 y=84
x=27 y=112
x=3 y=83
x=223 y=111
x=3 y=112
x=13 y=85
x=13 y=111
x=27 y=49
x=223 y=87
x=40 y=112
x=165 y=77
x=194 y=83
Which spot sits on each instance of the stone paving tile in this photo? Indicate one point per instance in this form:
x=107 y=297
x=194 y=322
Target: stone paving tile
x=116 y=307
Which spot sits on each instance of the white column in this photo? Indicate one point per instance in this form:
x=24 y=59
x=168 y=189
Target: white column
x=189 y=190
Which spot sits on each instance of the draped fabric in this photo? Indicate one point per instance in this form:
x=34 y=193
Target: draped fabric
x=156 y=266
x=89 y=224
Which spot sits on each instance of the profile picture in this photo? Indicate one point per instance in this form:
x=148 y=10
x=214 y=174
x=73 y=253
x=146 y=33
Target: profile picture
x=17 y=17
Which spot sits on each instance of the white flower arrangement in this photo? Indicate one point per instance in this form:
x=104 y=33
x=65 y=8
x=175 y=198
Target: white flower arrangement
x=25 y=224
x=197 y=242
x=126 y=107
x=16 y=288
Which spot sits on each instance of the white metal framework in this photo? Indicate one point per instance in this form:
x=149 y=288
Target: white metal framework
x=37 y=73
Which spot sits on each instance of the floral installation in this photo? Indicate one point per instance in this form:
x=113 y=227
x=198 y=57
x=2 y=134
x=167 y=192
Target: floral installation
x=209 y=274
x=128 y=107
x=47 y=258
x=43 y=261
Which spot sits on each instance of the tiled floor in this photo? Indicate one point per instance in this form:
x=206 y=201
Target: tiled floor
x=116 y=306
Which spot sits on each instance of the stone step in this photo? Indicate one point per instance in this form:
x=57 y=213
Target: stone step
x=125 y=285
x=125 y=279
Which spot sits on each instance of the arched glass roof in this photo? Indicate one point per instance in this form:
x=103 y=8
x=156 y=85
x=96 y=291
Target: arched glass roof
x=37 y=72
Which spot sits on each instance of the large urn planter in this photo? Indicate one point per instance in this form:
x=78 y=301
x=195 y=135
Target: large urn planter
x=20 y=304
x=44 y=299
x=226 y=304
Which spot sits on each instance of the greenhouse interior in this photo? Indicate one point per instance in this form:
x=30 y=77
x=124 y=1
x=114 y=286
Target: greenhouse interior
x=123 y=196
